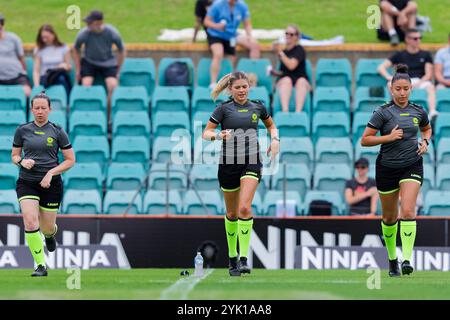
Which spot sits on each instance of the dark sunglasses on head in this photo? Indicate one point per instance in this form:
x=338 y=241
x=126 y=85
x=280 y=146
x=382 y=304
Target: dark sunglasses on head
x=290 y=34
x=361 y=167
x=415 y=38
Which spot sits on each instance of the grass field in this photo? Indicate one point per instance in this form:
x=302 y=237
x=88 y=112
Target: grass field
x=217 y=285
x=141 y=21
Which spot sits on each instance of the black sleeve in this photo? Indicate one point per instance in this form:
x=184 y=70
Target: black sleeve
x=264 y=113
x=424 y=121
x=349 y=184
x=63 y=140
x=376 y=121
x=18 y=139
x=299 y=53
x=217 y=115
x=395 y=58
x=428 y=57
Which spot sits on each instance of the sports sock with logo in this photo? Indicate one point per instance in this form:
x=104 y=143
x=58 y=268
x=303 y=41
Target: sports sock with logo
x=36 y=246
x=408 y=236
x=245 y=230
x=231 y=228
x=390 y=239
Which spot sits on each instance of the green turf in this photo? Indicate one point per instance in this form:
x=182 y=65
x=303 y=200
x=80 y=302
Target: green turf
x=141 y=21
x=261 y=284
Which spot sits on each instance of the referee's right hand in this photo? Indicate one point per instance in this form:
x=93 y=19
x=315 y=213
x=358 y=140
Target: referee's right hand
x=396 y=134
x=27 y=163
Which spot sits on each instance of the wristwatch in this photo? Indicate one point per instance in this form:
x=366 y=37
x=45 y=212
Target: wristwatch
x=426 y=140
x=276 y=138
x=19 y=162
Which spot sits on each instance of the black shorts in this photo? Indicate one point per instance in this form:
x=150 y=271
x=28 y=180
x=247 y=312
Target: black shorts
x=230 y=175
x=388 y=179
x=49 y=199
x=227 y=48
x=91 y=70
x=20 y=80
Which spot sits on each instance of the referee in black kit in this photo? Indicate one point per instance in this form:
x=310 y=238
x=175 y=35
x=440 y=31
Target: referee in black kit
x=39 y=187
x=399 y=166
x=240 y=167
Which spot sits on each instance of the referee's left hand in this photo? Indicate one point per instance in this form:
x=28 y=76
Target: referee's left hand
x=45 y=182
x=423 y=147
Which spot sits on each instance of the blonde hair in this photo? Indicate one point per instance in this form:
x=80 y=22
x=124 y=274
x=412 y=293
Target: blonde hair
x=252 y=79
x=227 y=81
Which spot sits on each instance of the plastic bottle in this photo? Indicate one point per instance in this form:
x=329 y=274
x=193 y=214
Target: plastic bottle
x=198 y=264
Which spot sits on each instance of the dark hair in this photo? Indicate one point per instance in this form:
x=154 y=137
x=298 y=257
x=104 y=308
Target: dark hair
x=48 y=28
x=227 y=81
x=41 y=95
x=401 y=73
x=412 y=30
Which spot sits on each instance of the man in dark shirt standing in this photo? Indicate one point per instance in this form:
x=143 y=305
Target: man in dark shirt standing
x=360 y=192
x=397 y=16
x=420 y=64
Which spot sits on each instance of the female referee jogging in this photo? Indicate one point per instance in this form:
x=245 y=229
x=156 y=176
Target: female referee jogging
x=399 y=166
x=39 y=187
x=240 y=166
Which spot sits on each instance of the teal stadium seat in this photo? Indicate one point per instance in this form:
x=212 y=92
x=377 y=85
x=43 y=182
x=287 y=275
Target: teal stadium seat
x=257 y=208
x=204 y=177
x=8 y=202
x=155 y=202
x=166 y=122
x=443 y=100
x=117 y=202
x=297 y=150
x=125 y=176
x=10 y=120
x=292 y=124
x=12 y=98
x=360 y=120
x=9 y=175
x=58 y=117
x=203 y=71
x=420 y=97
x=298 y=177
x=138 y=72
x=6 y=143
x=129 y=99
x=170 y=99
x=202 y=101
x=206 y=151
x=442 y=127
x=330 y=124
x=92 y=149
x=131 y=149
x=29 y=63
x=334 y=73
x=260 y=93
x=443 y=150
x=165 y=62
x=88 y=98
x=259 y=68
x=370 y=153
x=84 y=176
x=367 y=74
x=429 y=178
x=82 y=202
x=158 y=177
x=334 y=150
x=429 y=156
x=277 y=103
x=443 y=177
x=272 y=197
x=331 y=99
x=57 y=95
x=87 y=123
x=331 y=177
x=211 y=199
x=199 y=121
x=165 y=148
x=363 y=102
x=436 y=203
x=334 y=197
x=131 y=123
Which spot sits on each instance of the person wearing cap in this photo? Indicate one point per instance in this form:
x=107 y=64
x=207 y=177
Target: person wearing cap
x=12 y=60
x=442 y=67
x=98 y=59
x=361 y=192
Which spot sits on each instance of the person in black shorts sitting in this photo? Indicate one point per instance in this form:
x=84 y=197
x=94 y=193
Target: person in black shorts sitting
x=292 y=74
x=240 y=167
x=397 y=16
x=39 y=187
x=399 y=165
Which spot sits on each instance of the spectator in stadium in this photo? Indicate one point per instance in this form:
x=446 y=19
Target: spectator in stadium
x=397 y=16
x=98 y=59
x=222 y=21
x=240 y=166
x=399 y=166
x=12 y=60
x=201 y=8
x=39 y=187
x=442 y=66
x=292 y=73
x=420 y=64
x=51 y=60
x=361 y=192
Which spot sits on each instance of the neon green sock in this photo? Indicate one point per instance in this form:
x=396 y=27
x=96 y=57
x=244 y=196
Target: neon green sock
x=245 y=230
x=231 y=228
x=408 y=235
x=36 y=246
x=390 y=239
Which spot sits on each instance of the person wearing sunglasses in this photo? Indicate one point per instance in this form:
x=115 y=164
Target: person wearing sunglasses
x=292 y=74
x=442 y=66
x=361 y=191
x=420 y=65
x=396 y=17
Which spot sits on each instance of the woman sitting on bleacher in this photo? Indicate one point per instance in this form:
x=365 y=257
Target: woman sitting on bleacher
x=51 y=60
x=292 y=73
